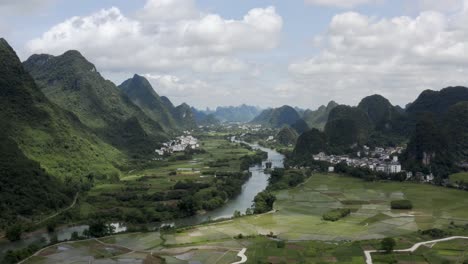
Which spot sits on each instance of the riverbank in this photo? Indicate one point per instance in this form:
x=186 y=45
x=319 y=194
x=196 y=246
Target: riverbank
x=256 y=183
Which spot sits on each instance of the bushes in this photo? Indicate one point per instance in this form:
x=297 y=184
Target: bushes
x=282 y=179
x=263 y=202
x=435 y=233
x=402 y=205
x=15 y=256
x=249 y=160
x=388 y=244
x=336 y=214
x=13 y=233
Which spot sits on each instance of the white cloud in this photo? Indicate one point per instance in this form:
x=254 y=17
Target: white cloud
x=396 y=57
x=189 y=90
x=340 y=3
x=155 y=41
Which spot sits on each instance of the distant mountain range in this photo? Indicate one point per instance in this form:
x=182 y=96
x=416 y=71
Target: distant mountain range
x=236 y=114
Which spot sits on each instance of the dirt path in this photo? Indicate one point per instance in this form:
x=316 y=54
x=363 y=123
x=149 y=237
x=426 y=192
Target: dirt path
x=368 y=253
x=242 y=255
x=61 y=211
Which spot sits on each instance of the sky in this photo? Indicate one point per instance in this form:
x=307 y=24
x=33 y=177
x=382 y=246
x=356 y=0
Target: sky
x=267 y=53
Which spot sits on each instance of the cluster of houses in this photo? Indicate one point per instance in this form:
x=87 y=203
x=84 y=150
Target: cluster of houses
x=180 y=144
x=379 y=159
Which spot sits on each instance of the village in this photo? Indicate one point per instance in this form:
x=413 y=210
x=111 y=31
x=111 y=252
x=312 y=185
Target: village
x=180 y=144
x=384 y=160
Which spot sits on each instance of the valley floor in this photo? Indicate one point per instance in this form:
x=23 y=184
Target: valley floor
x=295 y=232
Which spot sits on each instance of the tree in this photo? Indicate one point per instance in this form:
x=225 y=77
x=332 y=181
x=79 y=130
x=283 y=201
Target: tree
x=98 y=228
x=75 y=236
x=263 y=202
x=13 y=233
x=188 y=205
x=236 y=214
x=388 y=244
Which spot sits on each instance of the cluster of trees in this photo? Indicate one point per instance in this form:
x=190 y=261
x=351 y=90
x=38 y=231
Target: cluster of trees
x=263 y=202
x=336 y=214
x=402 y=205
x=282 y=179
x=15 y=256
x=435 y=233
x=248 y=160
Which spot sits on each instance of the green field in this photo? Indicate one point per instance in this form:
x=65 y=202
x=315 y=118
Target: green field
x=299 y=212
x=459 y=177
x=297 y=220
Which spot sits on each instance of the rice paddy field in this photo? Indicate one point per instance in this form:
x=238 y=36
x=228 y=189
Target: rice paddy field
x=297 y=233
x=299 y=211
x=455 y=251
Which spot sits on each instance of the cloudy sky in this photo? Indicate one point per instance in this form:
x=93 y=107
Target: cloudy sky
x=260 y=52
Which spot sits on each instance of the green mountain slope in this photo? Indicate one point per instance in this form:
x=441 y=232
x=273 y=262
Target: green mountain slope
x=438 y=102
x=318 y=118
x=74 y=84
x=184 y=116
x=204 y=119
x=347 y=126
x=456 y=125
x=140 y=91
x=44 y=132
x=310 y=143
x=277 y=117
x=25 y=188
x=300 y=126
x=287 y=136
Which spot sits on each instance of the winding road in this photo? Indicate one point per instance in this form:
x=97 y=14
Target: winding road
x=242 y=255
x=368 y=253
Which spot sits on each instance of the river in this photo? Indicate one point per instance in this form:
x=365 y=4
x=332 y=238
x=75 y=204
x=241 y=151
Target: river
x=255 y=184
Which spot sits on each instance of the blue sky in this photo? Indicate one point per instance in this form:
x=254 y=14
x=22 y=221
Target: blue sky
x=260 y=52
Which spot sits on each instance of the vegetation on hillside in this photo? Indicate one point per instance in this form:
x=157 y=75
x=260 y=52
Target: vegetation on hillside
x=140 y=91
x=277 y=117
x=287 y=136
x=73 y=83
x=318 y=118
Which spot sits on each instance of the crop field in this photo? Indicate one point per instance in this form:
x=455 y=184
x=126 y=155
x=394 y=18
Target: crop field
x=299 y=212
x=455 y=251
x=299 y=233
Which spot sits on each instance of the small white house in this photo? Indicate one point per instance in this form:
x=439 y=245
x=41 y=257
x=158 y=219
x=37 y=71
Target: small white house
x=331 y=169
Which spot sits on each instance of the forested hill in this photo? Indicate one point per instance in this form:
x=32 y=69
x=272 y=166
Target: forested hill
x=318 y=118
x=38 y=139
x=140 y=91
x=435 y=126
x=73 y=83
x=45 y=132
x=277 y=117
